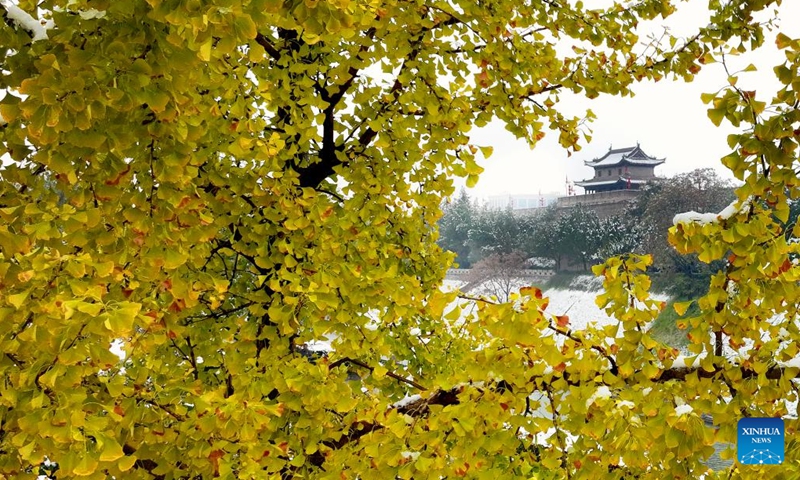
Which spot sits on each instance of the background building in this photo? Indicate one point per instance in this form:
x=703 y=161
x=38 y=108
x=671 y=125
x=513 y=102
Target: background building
x=521 y=202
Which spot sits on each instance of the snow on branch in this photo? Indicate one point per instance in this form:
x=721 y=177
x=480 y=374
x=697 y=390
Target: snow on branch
x=19 y=18
x=704 y=218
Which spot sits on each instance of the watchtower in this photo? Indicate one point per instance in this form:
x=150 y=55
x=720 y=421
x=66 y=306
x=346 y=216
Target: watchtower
x=620 y=169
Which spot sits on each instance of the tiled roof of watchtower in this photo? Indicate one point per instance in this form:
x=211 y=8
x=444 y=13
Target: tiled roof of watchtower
x=629 y=155
x=616 y=181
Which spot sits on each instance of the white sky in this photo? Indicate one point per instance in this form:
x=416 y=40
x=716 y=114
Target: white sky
x=666 y=118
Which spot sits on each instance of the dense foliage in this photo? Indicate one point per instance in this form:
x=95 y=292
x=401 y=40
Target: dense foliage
x=218 y=189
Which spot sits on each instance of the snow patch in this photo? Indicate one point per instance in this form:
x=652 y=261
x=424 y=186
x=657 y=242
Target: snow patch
x=704 y=218
x=25 y=21
x=408 y=400
x=684 y=409
x=694 y=217
x=410 y=455
x=601 y=392
x=791 y=407
x=793 y=363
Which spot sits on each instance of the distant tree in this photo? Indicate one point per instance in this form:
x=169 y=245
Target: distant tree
x=454 y=226
x=574 y=235
x=619 y=234
x=700 y=190
x=493 y=231
x=529 y=227
x=546 y=238
x=498 y=273
x=580 y=235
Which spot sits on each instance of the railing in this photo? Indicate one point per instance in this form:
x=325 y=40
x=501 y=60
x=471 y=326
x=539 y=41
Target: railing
x=457 y=273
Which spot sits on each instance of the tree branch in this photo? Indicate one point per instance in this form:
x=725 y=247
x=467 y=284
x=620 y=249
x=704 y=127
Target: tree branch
x=559 y=438
x=602 y=351
x=313 y=175
x=352 y=71
x=267 y=44
x=388 y=374
x=165 y=408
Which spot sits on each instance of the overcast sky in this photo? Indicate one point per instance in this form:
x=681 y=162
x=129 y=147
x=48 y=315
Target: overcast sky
x=666 y=118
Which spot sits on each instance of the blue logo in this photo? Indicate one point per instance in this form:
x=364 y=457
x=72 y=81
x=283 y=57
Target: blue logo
x=760 y=441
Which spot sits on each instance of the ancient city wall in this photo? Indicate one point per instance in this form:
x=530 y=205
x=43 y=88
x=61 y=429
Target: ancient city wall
x=604 y=204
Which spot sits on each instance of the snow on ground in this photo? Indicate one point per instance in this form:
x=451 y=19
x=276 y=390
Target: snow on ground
x=577 y=303
x=579 y=306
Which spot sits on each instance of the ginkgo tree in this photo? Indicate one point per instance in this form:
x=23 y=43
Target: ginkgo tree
x=216 y=188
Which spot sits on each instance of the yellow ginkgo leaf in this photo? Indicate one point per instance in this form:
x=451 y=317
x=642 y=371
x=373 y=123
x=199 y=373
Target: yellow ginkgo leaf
x=681 y=307
x=111 y=450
